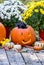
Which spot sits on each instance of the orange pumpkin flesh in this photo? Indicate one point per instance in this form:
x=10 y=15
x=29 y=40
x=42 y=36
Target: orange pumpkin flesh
x=2 y=32
x=23 y=36
x=38 y=48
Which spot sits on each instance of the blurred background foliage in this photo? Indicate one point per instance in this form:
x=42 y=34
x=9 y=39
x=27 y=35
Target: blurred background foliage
x=24 y=1
x=1 y=1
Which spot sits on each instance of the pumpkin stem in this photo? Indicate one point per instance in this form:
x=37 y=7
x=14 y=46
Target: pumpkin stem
x=21 y=24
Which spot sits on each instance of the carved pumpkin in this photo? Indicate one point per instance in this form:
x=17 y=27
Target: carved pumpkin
x=38 y=48
x=24 y=36
x=39 y=45
x=2 y=32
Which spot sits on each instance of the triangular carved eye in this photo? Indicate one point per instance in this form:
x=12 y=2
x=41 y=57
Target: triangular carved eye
x=28 y=33
x=24 y=40
x=21 y=33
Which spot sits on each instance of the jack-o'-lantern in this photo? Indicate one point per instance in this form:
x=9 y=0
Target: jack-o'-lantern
x=24 y=36
x=2 y=32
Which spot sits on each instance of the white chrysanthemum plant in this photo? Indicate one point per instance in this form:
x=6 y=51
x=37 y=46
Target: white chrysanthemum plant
x=11 y=10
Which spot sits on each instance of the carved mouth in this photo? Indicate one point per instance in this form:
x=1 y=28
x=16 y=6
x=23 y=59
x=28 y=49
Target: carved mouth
x=26 y=42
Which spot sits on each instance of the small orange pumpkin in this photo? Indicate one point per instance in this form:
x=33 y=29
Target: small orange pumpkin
x=24 y=36
x=2 y=32
x=38 y=48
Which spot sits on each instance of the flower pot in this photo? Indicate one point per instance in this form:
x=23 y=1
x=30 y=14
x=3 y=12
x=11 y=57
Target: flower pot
x=0 y=20
x=41 y=34
x=7 y=32
x=7 y=29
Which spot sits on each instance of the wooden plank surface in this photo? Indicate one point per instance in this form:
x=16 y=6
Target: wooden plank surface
x=40 y=56
x=31 y=59
x=24 y=58
x=27 y=50
x=15 y=58
x=3 y=58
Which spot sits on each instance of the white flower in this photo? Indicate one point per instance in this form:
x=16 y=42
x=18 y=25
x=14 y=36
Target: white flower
x=10 y=8
x=4 y=12
x=5 y=17
x=12 y=1
x=6 y=3
x=2 y=16
x=20 y=18
x=7 y=8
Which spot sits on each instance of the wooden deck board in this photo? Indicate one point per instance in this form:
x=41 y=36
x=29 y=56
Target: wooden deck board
x=3 y=58
x=25 y=57
x=40 y=57
x=31 y=59
x=15 y=58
